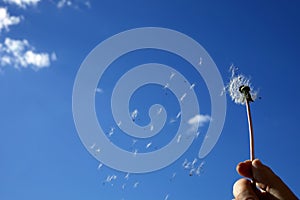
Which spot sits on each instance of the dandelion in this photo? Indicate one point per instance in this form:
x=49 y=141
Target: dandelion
x=200 y=61
x=127 y=176
x=186 y=164
x=172 y=75
x=172 y=121
x=111 y=178
x=167 y=197
x=233 y=88
x=179 y=138
x=134 y=141
x=134 y=114
x=98 y=151
x=111 y=132
x=135 y=152
x=192 y=171
x=135 y=185
x=151 y=127
x=178 y=115
x=93 y=146
x=119 y=123
x=173 y=176
x=241 y=92
x=166 y=86
x=148 y=145
x=182 y=97
x=99 y=90
x=159 y=111
x=194 y=162
x=192 y=86
x=200 y=168
x=99 y=166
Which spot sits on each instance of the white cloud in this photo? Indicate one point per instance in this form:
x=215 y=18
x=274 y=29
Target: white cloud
x=6 y=20
x=23 y=3
x=199 y=120
x=20 y=54
x=39 y=60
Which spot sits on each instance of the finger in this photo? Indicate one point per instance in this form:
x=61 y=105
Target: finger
x=243 y=190
x=245 y=168
x=268 y=181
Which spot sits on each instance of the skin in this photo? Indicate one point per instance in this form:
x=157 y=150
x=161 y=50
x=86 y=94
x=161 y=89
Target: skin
x=268 y=185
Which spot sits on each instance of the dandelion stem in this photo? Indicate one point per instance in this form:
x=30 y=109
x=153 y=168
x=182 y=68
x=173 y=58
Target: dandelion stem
x=251 y=137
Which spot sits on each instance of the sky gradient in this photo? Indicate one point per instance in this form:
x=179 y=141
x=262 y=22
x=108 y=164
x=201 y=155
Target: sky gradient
x=42 y=46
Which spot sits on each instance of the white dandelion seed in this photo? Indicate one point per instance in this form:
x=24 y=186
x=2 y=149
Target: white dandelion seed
x=135 y=185
x=197 y=134
x=179 y=138
x=172 y=121
x=192 y=86
x=134 y=114
x=182 y=97
x=192 y=171
x=148 y=145
x=178 y=115
x=200 y=61
x=98 y=150
x=100 y=166
x=134 y=141
x=159 y=111
x=194 y=162
x=111 y=132
x=166 y=86
x=99 y=90
x=151 y=127
x=184 y=162
x=93 y=146
x=173 y=176
x=200 y=168
x=123 y=186
x=126 y=177
x=135 y=152
x=172 y=75
x=110 y=178
x=233 y=87
x=167 y=197
x=119 y=123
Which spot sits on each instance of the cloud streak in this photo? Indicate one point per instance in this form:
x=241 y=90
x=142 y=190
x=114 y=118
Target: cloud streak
x=23 y=3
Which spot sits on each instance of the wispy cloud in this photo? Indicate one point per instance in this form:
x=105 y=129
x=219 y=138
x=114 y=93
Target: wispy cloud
x=23 y=3
x=20 y=54
x=72 y=3
x=6 y=20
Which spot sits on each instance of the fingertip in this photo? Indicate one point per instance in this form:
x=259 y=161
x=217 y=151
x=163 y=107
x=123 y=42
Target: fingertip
x=257 y=163
x=245 y=168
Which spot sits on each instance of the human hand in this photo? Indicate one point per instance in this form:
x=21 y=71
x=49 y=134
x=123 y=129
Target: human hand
x=268 y=185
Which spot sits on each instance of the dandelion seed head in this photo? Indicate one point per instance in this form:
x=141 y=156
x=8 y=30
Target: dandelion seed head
x=236 y=81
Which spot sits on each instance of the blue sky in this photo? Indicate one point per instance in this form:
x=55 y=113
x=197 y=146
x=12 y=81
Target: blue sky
x=43 y=45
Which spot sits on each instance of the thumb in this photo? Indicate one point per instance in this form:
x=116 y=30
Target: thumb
x=243 y=190
x=268 y=181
